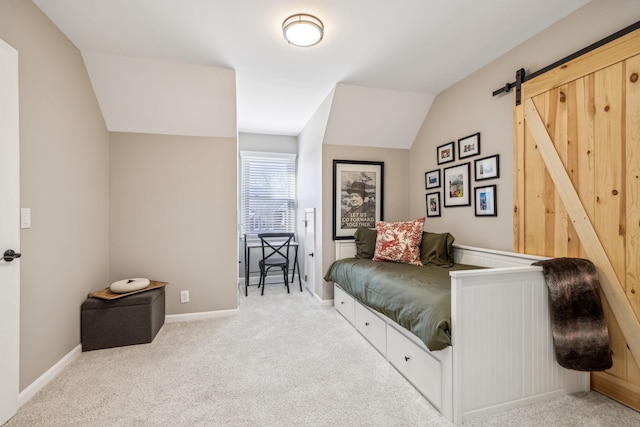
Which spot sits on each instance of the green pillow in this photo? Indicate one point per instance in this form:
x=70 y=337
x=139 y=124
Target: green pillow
x=436 y=249
x=365 y=242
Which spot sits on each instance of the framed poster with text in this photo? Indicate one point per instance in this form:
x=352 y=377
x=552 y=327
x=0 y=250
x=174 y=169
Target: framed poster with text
x=357 y=196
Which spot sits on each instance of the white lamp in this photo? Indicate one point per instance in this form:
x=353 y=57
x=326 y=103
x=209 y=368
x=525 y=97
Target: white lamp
x=302 y=30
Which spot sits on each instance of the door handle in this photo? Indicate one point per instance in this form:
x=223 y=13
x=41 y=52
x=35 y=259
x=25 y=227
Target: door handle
x=311 y=254
x=10 y=255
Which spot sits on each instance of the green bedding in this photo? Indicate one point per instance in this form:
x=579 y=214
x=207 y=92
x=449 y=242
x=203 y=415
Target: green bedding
x=417 y=298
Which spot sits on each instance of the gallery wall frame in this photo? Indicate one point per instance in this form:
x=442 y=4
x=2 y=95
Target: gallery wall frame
x=456 y=186
x=485 y=201
x=446 y=153
x=469 y=146
x=433 y=204
x=358 y=196
x=487 y=168
x=432 y=179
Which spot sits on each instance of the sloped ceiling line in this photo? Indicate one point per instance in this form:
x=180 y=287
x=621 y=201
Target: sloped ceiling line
x=414 y=49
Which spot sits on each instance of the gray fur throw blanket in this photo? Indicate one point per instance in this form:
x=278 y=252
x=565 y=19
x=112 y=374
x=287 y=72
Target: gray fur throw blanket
x=580 y=334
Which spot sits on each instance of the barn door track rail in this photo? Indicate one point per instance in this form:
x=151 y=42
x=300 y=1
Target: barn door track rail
x=522 y=77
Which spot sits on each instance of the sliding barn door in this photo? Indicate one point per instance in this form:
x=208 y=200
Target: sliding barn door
x=577 y=186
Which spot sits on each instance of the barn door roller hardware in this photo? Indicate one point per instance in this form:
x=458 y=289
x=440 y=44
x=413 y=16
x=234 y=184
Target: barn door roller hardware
x=521 y=77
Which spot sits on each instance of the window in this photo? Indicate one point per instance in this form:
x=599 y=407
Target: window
x=267 y=192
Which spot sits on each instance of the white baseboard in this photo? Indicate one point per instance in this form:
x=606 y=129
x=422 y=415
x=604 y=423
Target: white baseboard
x=187 y=317
x=44 y=379
x=325 y=302
x=272 y=278
x=254 y=281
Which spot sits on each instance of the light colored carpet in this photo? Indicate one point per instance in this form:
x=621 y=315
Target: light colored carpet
x=283 y=360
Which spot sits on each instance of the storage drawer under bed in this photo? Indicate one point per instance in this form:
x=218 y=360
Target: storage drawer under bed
x=372 y=327
x=421 y=369
x=345 y=304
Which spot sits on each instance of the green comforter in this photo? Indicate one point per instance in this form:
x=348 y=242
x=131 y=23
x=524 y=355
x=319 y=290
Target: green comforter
x=417 y=298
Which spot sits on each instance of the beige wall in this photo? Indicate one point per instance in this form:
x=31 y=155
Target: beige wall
x=64 y=180
x=396 y=196
x=173 y=216
x=468 y=107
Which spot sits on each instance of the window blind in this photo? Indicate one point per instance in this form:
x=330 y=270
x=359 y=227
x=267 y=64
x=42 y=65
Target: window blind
x=267 y=192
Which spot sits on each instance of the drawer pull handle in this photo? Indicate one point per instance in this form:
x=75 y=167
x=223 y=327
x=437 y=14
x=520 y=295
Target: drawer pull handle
x=366 y=323
x=406 y=358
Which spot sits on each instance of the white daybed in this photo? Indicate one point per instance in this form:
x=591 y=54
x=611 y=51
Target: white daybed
x=502 y=354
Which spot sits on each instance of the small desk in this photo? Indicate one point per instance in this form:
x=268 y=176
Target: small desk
x=256 y=244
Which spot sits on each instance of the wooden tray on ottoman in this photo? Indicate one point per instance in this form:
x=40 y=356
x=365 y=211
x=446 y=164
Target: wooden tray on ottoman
x=107 y=294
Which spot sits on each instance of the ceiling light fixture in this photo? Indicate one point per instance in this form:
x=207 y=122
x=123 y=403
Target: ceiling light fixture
x=302 y=30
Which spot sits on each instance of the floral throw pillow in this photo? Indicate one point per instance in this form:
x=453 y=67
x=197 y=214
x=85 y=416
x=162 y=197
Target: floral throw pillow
x=399 y=241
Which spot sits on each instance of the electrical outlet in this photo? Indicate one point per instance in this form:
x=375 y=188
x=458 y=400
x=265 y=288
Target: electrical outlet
x=184 y=297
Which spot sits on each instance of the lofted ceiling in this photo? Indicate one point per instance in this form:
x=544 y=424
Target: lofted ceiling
x=211 y=67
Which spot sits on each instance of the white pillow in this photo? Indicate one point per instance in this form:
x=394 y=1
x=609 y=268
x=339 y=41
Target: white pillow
x=129 y=285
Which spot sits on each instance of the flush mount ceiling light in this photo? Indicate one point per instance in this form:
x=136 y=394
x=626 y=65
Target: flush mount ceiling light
x=302 y=30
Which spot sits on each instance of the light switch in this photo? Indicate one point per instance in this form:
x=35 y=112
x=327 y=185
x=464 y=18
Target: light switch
x=25 y=218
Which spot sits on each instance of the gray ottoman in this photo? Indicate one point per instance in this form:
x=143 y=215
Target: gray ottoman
x=134 y=319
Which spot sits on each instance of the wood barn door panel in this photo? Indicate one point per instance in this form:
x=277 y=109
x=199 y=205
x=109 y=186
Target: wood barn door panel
x=632 y=146
x=568 y=97
x=593 y=123
x=552 y=233
x=619 y=350
x=518 y=180
x=582 y=125
x=633 y=371
x=555 y=118
x=616 y=388
x=609 y=220
x=535 y=196
x=612 y=53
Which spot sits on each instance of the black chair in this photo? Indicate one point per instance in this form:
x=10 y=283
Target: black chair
x=275 y=253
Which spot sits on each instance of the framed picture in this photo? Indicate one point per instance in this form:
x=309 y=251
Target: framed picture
x=456 y=186
x=433 y=204
x=486 y=201
x=469 y=146
x=357 y=196
x=487 y=168
x=432 y=179
x=446 y=153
